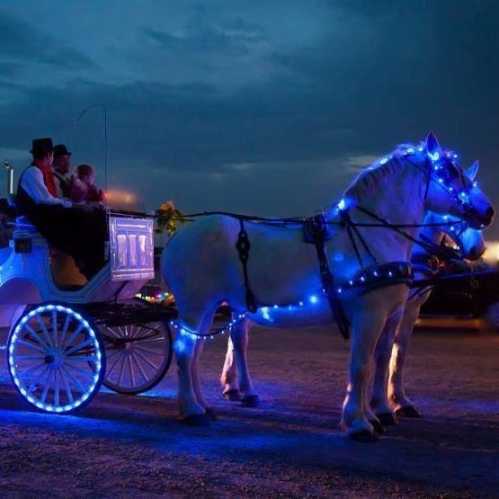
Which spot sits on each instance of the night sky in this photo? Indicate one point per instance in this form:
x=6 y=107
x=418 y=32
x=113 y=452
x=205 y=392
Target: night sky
x=260 y=107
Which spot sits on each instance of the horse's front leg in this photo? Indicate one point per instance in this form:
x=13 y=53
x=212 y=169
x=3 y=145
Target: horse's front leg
x=397 y=396
x=239 y=338
x=366 y=329
x=380 y=403
x=228 y=378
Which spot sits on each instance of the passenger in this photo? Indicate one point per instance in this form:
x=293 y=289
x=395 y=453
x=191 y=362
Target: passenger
x=83 y=189
x=79 y=232
x=62 y=171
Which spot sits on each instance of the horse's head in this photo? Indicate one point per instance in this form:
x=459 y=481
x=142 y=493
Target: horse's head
x=470 y=241
x=452 y=190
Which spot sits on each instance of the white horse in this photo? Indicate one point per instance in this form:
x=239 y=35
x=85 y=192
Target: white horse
x=472 y=245
x=389 y=398
x=203 y=269
x=389 y=395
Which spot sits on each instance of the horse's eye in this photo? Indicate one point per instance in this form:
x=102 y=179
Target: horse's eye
x=453 y=171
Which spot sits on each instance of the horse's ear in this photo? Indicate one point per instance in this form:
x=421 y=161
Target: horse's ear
x=472 y=171
x=432 y=145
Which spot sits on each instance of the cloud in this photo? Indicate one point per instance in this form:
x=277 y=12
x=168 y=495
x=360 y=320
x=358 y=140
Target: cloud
x=23 y=43
x=358 y=162
x=233 y=40
x=281 y=101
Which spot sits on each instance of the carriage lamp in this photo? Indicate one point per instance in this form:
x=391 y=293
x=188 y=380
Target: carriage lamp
x=10 y=177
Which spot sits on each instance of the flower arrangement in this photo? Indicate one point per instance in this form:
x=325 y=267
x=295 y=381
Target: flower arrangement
x=168 y=217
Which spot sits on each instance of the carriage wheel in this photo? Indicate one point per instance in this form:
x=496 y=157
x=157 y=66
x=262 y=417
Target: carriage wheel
x=55 y=358
x=138 y=356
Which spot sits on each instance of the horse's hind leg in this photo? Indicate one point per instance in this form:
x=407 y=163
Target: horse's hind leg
x=228 y=378
x=239 y=337
x=187 y=352
x=196 y=384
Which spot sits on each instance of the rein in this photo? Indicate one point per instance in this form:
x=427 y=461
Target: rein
x=456 y=276
x=319 y=225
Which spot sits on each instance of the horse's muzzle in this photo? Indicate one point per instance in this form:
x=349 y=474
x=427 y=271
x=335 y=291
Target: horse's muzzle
x=479 y=220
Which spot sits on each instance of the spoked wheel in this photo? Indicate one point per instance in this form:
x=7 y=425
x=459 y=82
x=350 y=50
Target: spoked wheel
x=138 y=355
x=55 y=358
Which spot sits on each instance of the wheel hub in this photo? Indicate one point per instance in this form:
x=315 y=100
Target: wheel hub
x=54 y=358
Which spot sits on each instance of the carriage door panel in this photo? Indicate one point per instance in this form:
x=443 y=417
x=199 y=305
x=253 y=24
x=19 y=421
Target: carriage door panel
x=131 y=247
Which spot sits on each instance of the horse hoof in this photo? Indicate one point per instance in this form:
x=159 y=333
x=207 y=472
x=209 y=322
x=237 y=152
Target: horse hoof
x=387 y=419
x=378 y=427
x=408 y=411
x=211 y=413
x=197 y=420
x=233 y=395
x=364 y=436
x=250 y=401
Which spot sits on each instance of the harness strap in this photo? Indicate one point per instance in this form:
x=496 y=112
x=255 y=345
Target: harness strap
x=243 y=246
x=348 y=224
x=317 y=226
x=353 y=231
x=384 y=223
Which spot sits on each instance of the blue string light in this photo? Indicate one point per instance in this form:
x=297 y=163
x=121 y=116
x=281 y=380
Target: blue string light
x=195 y=335
x=365 y=278
x=17 y=376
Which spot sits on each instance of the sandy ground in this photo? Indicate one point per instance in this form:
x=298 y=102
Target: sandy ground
x=290 y=446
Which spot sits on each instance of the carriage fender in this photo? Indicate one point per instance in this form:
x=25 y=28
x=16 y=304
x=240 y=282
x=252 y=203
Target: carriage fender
x=9 y=315
x=19 y=291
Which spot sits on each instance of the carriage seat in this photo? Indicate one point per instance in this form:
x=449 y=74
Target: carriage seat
x=65 y=272
x=23 y=224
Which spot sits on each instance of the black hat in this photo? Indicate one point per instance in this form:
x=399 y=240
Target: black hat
x=40 y=147
x=61 y=150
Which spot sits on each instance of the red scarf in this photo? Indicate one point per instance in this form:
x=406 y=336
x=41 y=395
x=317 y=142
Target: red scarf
x=48 y=179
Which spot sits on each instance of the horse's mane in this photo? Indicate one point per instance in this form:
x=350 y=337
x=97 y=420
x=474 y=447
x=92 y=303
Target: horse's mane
x=369 y=180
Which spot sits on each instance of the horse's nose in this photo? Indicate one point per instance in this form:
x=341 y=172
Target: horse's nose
x=489 y=215
x=476 y=252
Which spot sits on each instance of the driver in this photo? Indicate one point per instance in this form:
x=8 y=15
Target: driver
x=62 y=171
x=77 y=231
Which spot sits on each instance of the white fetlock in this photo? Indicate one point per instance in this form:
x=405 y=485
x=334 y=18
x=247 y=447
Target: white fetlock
x=190 y=409
x=359 y=426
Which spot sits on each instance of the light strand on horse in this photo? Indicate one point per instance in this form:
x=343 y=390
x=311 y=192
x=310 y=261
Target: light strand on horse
x=384 y=275
x=399 y=273
x=191 y=333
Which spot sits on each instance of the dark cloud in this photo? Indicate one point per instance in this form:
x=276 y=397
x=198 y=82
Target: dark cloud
x=24 y=42
x=199 y=37
x=329 y=96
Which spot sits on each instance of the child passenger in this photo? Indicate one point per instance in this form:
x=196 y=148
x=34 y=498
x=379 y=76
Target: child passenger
x=83 y=189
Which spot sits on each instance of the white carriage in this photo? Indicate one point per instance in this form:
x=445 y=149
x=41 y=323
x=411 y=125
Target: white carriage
x=66 y=338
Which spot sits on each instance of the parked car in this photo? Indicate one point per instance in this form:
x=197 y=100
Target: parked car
x=474 y=296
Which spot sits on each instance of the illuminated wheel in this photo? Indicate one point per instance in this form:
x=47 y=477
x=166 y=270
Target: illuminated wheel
x=55 y=358
x=138 y=356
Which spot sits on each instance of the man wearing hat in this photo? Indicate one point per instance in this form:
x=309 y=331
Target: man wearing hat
x=62 y=171
x=37 y=184
x=78 y=232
